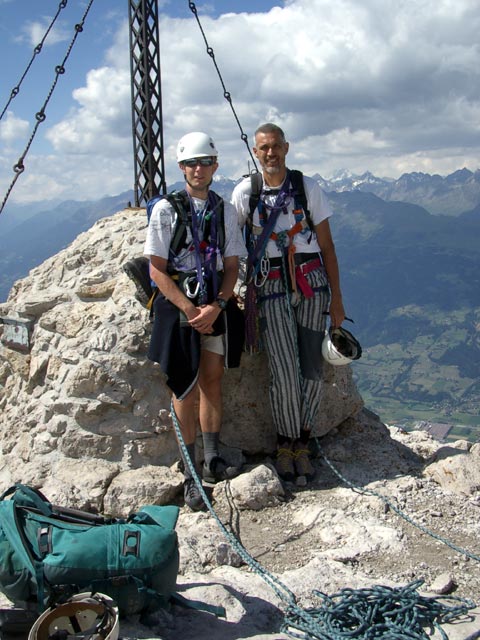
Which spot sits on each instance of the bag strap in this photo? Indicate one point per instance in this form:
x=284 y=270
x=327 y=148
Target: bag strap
x=37 y=498
x=181 y=205
x=16 y=537
x=300 y=197
x=256 y=184
x=198 y=605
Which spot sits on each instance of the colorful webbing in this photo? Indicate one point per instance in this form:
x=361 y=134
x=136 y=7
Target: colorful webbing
x=209 y=250
x=268 y=223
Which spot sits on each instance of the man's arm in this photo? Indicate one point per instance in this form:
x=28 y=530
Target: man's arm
x=158 y=273
x=230 y=276
x=207 y=314
x=329 y=256
x=200 y=318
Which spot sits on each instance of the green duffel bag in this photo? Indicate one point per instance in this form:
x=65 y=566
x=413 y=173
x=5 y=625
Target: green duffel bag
x=48 y=553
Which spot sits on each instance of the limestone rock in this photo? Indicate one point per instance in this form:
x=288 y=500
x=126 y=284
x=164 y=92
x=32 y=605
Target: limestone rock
x=84 y=392
x=457 y=468
x=85 y=417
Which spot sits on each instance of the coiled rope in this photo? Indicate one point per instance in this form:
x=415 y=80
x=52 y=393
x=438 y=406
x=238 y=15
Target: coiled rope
x=399 y=613
x=40 y=116
x=363 y=614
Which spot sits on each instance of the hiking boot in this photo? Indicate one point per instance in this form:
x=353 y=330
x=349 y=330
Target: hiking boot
x=192 y=496
x=285 y=462
x=218 y=470
x=138 y=271
x=303 y=465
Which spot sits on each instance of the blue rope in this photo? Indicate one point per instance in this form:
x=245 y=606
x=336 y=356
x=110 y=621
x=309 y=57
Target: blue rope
x=362 y=614
x=281 y=242
x=394 y=508
x=398 y=613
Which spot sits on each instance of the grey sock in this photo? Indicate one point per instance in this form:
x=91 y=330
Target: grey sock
x=210 y=446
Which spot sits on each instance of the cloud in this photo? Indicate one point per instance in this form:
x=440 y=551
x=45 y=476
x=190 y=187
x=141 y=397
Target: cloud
x=12 y=129
x=359 y=84
x=34 y=31
x=102 y=123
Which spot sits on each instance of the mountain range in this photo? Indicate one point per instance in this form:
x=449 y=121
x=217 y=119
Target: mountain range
x=410 y=265
x=450 y=195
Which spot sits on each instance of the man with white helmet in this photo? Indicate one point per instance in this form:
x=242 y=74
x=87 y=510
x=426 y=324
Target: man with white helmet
x=192 y=337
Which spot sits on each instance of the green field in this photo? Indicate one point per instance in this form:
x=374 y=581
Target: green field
x=391 y=411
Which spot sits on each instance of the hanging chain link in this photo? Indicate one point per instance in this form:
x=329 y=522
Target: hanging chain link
x=226 y=94
x=40 y=116
x=16 y=90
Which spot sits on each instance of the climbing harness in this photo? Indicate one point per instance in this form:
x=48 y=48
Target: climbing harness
x=356 y=614
x=301 y=210
x=208 y=269
x=259 y=267
x=40 y=116
x=256 y=250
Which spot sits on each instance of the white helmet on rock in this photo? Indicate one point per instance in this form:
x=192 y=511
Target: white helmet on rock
x=90 y=616
x=340 y=347
x=195 y=145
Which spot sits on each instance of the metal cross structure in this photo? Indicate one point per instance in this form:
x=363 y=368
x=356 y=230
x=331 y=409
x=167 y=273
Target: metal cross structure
x=147 y=124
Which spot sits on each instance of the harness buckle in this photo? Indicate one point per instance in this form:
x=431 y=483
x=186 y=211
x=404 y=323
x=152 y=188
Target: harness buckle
x=262 y=274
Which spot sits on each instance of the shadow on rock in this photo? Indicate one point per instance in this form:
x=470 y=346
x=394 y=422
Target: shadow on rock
x=250 y=615
x=361 y=450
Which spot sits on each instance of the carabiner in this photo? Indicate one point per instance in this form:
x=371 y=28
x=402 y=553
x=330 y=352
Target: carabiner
x=191 y=292
x=262 y=274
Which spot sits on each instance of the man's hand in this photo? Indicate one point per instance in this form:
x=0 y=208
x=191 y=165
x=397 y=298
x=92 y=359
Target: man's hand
x=206 y=316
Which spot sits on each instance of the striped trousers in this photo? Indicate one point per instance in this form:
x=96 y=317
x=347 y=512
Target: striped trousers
x=292 y=333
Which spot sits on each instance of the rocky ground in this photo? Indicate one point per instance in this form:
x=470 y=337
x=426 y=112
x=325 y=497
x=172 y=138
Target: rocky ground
x=285 y=536
x=380 y=520
x=393 y=525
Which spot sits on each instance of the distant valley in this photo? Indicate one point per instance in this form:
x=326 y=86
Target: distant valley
x=410 y=265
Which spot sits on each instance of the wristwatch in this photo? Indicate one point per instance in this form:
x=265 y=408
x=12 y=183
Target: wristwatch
x=221 y=303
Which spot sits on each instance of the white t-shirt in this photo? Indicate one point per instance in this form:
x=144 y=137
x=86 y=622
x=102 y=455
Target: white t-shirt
x=162 y=223
x=317 y=204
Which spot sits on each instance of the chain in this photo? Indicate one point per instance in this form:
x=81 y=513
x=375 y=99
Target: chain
x=40 y=116
x=226 y=94
x=16 y=90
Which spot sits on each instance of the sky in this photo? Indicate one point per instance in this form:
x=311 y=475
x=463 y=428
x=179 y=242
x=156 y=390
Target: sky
x=387 y=86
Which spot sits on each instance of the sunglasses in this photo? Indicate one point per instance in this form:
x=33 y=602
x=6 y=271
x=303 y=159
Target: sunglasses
x=203 y=162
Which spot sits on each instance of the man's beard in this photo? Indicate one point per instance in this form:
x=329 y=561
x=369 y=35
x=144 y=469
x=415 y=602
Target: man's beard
x=272 y=170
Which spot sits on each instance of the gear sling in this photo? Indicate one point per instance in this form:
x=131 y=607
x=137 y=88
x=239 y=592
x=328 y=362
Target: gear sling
x=138 y=269
x=258 y=264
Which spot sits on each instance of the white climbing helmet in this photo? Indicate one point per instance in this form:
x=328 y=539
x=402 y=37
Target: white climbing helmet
x=340 y=347
x=195 y=145
x=89 y=616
